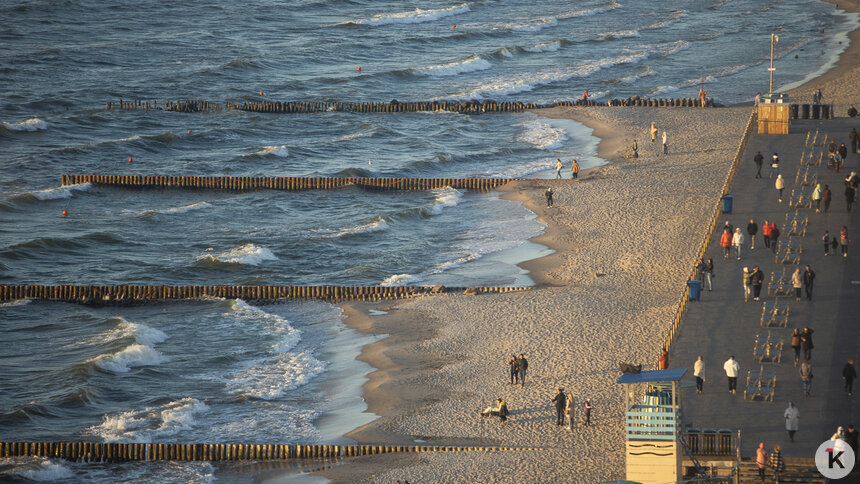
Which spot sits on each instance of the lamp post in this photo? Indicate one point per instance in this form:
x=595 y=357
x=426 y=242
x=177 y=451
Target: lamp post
x=773 y=39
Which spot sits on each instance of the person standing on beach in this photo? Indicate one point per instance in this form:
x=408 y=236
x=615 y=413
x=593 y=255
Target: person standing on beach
x=849 y=373
x=523 y=365
x=765 y=233
x=797 y=283
x=558 y=168
x=808 y=281
x=806 y=376
x=792 y=420
x=756 y=279
x=570 y=410
x=826 y=197
x=514 y=368
x=752 y=230
x=703 y=97
x=726 y=243
x=795 y=345
x=758 y=159
x=574 y=169
x=665 y=143
x=699 y=373
x=774 y=165
x=780 y=186
x=844 y=240
x=806 y=342
x=587 y=406
x=635 y=149
x=761 y=460
x=738 y=241
x=816 y=197
x=548 y=195
x=653 y=132
x=560 y=403
x=732 y=368
x=852 y=136
x=774 y=237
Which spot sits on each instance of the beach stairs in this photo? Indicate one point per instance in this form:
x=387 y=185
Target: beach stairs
x=796 y=471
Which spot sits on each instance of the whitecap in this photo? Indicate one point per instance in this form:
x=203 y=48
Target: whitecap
x=399 y=280
x=470 y=64
x=412 y=17
x=64 y=191
x=42 y=470
x=151 y=422
x=32 y=124
x=170 y=210
x=505 y=52
x=540 y=134
x=245 y=314
x=129 y=357
x=454 y=263
x=550 y=46
x=444 y=198
x=378 y=224
x=270 y=378
x=248 y=254
x=280 y=151
x=16 y=302
x=620 y=34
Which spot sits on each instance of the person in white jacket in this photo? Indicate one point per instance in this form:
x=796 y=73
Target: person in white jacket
x=732 y=369
x=699 y=373
x=737 y=241
x=780 y=186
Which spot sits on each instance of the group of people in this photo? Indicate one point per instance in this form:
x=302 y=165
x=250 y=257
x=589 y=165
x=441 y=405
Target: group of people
x=653 y=131
x=517 y=367
x=574 y=169
x=732 y=239
x=566 y=405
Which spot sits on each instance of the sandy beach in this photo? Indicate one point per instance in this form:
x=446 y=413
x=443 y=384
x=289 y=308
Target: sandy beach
x=624 y=237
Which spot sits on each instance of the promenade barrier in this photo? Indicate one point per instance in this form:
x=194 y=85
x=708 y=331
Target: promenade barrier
x=123 y=452
x=287 y=183
x=128 y=294
x=394 y=106
x=706 y=238
x=810 y=111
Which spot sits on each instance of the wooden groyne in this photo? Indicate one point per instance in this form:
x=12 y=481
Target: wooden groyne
x=288 y=183
x=131 y=294
x=462 y=107
x=123 y=452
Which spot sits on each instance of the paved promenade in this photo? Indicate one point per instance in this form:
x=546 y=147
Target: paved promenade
x=722 y=324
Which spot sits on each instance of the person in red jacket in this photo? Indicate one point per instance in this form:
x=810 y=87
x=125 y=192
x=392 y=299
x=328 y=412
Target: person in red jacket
x=765 y=232
x=726 y=243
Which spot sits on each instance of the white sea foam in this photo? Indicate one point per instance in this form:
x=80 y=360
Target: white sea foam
x=64 y=191
x=378 y=224
x=287 y=337
x=620 y=34
x=151 y=423
x=635 y=77
x=550 y=46
x=170 y=210
x=454 y=263
x=540 y=134
x=130 y=357
x=470 y=64
x=122 y=328
x=676 y=16
x=412 y=17
x=399 y=280
x=670 y=48
x=16 y=302
x=32 y=124
x=280 y=151
x=39 y=469
x=352 y=136
x=270 y=378
x=248 y=254
x=505 y=52
x=444 y=198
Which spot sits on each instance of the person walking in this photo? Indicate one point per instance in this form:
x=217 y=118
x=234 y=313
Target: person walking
x=732 y=368
x=548 y=195
x=709 y=273
x=806 y=342
x=726 y=243
x=752 y=230
x=795 y=345
x=522 y=366
x=665 y=143
x=776 y=462
x=756 y=279
x=826 y=240
x=587 y=407
x=849 y=373
x=826 y=197
x=792 y=420
x=774 y=237
x=746 y=278
x=774 y=165
x=851 y=438
x=574 y=169
x=514 y=369
x=738 y=241
x=780 y=186
x=849 y=197
x=852 y=137
x=570 y=409
x=797 y=283
x=844 y=240
x=808 y=281
x=758 y=159
x=558 y=168
x=635 y=149
x=560 y=403
x=806 y=377
x=765 y=233
x=761 y=460
x=843 y=152
x=699 y=373
x=653 y=132
x=816 y=197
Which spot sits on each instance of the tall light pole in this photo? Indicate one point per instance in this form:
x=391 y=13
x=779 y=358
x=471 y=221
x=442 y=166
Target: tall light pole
x=773 y=39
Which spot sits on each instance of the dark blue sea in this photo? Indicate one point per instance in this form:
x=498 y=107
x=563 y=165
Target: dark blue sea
x=227 y=371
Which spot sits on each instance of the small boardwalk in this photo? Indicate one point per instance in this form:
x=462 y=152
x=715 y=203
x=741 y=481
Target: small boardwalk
x=722 y=324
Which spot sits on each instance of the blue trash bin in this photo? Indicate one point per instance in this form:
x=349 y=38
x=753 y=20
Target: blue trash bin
x=695 y=289
x=727 y=203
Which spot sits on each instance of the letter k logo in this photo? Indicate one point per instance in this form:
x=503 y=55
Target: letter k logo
x=834 y=459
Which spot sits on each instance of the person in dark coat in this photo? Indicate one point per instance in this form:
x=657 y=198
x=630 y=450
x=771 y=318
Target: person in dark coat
x=851 y=438
x=560 y=401
x=852 y=137
x=548 y=194
x=849 y=197
x=752 y=230
x=826 y=198
x=774 y=238
x=843 y=152
x=808 y=281
x=849 y=373
x=758 y=159
x=806 y=343
x=514 y=365
x=524 y=365
x=756 y=280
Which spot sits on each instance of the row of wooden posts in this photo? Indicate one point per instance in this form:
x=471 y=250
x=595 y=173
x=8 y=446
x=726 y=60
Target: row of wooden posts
x=463 y=107
x=120 y=452
x=288 y=183
x=132 y=293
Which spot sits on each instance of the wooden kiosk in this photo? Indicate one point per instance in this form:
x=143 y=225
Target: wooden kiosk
x=773 y=114
x=653 y=424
